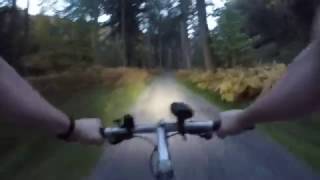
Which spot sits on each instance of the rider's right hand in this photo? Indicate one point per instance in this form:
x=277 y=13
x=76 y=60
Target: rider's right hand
x=232 y=123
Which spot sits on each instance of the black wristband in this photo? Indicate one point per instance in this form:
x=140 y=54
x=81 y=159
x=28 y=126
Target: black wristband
x=66 y=135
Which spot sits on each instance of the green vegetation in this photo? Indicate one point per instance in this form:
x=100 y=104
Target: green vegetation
x=262 y=31
x=211 y=96
x=70 y=56
x=35 y=157
x=150 y=33
x=300 y=138
x=231 y=45
x=237 y=84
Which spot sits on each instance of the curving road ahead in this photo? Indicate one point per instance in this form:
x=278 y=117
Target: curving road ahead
x=251 y=156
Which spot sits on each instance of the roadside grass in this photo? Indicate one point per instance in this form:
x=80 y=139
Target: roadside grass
x=209 y=95
x=301 y=137
x=26 y=155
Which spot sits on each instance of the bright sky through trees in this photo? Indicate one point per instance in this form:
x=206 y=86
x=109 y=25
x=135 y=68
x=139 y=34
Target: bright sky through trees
x=35 y=8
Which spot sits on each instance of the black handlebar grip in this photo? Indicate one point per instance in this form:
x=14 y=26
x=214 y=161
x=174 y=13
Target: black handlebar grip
x=253 y=127
x=128 y=123
x=101 y=130
x=216 y=125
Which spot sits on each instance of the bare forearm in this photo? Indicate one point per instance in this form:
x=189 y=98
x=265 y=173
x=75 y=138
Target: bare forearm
x=296 y=94
x=22 y=105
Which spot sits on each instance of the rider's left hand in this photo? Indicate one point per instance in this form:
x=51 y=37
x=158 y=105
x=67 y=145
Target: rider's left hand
x=87 y=131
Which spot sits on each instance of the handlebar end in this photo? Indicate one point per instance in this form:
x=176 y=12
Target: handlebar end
x=101 y=130
x=216 y=125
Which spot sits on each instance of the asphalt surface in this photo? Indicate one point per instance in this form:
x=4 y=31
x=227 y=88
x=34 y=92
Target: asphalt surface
x=251 y=156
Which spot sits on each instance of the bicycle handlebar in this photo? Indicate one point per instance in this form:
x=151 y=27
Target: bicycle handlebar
x=191 y=127
x=127 y=130
x=164 y=168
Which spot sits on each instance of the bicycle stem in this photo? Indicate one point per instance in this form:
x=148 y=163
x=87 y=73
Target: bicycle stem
x=165 y=165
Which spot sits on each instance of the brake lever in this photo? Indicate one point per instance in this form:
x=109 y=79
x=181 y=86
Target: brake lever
x=181 y=128
x=216 y=125
x=128 y=124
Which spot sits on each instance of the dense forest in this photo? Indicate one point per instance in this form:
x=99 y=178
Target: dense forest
x=94 y=58
x=154 y=33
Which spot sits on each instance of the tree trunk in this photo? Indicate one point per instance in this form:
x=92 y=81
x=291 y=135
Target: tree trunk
x=26 y=25
x=204 y=39
x=169 y=57
x=14 y=3
x=94 y=39
x=123 y=32
x=185 y=46
x=160 y=54
x=12 y=36
x=26 y=33
x=149 y=61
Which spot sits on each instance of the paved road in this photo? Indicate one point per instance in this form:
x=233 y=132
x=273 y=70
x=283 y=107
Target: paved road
x=251 y=156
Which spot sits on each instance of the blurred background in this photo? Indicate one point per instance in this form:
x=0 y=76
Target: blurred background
x=90 y=57
x=43 y=36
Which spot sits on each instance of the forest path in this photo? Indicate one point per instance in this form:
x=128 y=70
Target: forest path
x=251 y=156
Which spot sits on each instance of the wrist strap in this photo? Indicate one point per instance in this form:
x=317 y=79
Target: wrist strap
x=66 y=135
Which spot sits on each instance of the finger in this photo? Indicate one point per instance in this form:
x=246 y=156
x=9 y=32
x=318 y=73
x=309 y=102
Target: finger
x=99 y=122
